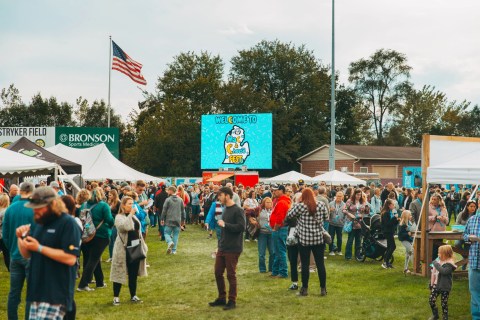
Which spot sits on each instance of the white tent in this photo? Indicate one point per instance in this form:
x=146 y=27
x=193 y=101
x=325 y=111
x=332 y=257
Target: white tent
x=459 y=165
x=288 y=177
x=336 y=177
x=13 y=163
x=98 y=163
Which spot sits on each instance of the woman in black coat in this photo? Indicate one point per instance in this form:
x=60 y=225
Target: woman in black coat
x=389 y=222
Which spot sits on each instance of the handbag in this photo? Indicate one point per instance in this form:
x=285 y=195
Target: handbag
x=253 y=227
x=134 y=253
x=348 y=227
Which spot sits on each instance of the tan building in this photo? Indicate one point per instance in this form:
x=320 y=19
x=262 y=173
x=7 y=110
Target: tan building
x=388 y=162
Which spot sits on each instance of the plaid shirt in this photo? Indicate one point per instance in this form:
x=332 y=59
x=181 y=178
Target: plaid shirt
x=309 y=227
x=473 y=228
x=47 y=311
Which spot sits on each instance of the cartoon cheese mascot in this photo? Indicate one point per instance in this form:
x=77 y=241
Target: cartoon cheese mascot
x=236 y=151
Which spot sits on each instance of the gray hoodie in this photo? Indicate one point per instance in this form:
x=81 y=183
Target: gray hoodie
x=173 y=212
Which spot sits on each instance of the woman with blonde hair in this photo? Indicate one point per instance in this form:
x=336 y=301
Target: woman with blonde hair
x=4 y=203
x=437 y=220
x=129 y=234
x=265 y=240
x=405 y=235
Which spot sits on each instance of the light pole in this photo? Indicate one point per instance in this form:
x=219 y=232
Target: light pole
x=331 y=158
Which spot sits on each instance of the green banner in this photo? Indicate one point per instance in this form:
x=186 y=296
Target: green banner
x=89 y=137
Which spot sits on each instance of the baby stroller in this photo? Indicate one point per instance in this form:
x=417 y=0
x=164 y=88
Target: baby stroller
x=374 y=244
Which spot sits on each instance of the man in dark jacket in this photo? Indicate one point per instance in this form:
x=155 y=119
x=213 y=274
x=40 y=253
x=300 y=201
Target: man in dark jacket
x=158 y=203
x=230 y=246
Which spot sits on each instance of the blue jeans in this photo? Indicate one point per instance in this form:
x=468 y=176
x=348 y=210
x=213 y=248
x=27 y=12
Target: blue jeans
x=356 y=235
x=279 y=238
x=474 y=285
x=153 y=219
x=265 y=241
x=18 y=274
x=335 y=231
x=112 y=241
x=171 y=235
x=161 y=229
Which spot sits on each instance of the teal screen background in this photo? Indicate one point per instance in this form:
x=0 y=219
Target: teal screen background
x=257 y=134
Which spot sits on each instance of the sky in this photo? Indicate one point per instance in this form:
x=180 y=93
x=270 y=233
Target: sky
x=61 y=48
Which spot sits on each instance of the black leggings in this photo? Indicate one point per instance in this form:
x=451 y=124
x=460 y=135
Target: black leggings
x=92 y=253
x=6 y=254
x=132 y=269
x=293 y=258
x=433 y=302
x=317 y=251
x=390 y=247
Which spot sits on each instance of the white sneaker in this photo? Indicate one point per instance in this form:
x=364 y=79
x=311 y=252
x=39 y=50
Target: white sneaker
x=87 y=289
x=331 y=253
x=136 y=299
x=116 y=301
x=109 y=260
x=339 y=253
x=384 y=266
x=247 y=240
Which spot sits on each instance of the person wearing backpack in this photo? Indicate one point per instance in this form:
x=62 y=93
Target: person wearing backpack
x=103 y=221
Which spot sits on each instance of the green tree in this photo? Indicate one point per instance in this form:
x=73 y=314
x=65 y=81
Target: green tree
x=168 y=125
x=352 y=124
x=299 y=87
x=96 y=114
x=425 y=111
x=381 y=81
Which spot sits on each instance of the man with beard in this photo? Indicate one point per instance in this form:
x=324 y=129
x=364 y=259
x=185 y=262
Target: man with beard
x=15 y=216
x=230 y=247
x=52 y=245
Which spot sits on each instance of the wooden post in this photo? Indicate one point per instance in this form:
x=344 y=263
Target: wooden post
x=424 y=221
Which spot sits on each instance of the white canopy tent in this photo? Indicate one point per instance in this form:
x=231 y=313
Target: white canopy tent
x=336 y=177
x=458 y=165
x=288 y=177
x=14 y=164
x=98 y=164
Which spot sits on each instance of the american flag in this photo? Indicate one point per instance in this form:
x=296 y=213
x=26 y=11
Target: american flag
x=126 y=65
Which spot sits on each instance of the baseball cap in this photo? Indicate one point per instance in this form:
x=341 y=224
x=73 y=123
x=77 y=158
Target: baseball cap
x=41 y=197
x=301 y=182
x=278 y=187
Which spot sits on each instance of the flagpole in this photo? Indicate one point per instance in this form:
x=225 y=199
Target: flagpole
x=109 y=78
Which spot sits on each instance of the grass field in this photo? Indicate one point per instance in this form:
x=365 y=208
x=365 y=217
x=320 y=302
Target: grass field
x=180 y=286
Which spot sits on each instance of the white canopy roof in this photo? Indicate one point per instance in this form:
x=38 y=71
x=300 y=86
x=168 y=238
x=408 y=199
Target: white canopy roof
x=13 y=163
x=462 y=170
x=336 y=177
x=98 y=163
x=289 y=177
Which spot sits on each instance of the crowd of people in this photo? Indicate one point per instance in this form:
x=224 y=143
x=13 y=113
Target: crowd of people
x=49 y=228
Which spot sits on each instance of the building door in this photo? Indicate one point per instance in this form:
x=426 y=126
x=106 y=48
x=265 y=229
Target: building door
x=386 y=172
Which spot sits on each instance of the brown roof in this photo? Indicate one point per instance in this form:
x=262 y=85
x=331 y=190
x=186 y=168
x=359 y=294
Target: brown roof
x=375 y=152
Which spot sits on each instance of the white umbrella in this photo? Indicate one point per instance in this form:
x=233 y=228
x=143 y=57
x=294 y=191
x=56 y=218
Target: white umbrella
x=336 y=177
x=289 y=177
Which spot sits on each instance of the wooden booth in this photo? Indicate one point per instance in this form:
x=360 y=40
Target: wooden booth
x=445 y=160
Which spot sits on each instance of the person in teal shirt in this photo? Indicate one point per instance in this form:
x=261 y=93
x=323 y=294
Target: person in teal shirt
x=93 y=250
x=17 y=215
